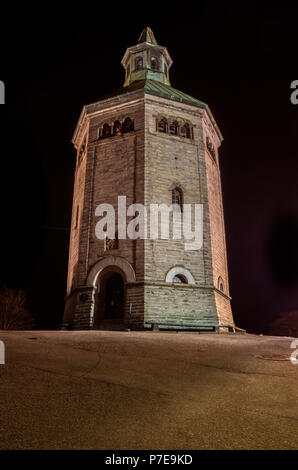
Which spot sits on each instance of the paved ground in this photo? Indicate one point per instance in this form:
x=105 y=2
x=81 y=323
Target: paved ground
x=146 y=390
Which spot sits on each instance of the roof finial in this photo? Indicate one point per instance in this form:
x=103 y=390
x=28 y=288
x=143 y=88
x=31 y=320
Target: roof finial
x=147 y=36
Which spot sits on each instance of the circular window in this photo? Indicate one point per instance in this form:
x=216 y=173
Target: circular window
x=83 y=298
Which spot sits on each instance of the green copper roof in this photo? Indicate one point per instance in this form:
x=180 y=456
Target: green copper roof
x=165 y=91
x=147 y=36
x=152 y=87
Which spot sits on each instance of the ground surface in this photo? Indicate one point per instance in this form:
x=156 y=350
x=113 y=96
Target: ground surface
x=146 y=390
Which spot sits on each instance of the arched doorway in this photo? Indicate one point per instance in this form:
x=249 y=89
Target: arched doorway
x=114 y=297
x=110 y=299
x=98 y=278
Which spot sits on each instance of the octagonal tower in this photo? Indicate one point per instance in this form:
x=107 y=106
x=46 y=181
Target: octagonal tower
x=150 y=144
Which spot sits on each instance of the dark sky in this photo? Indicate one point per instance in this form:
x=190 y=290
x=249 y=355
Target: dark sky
x=240 y=60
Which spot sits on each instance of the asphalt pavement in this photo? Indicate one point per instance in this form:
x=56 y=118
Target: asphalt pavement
x=147 y=390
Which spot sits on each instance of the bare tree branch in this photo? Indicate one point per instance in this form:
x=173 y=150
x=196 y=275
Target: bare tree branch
x=14 y=314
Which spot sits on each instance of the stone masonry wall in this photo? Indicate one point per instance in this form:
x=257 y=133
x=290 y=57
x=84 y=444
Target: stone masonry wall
x=217 y=228
x=169 y=161
x=144 y=166
x=112 y=167
x=180 y=304
x=76 y=220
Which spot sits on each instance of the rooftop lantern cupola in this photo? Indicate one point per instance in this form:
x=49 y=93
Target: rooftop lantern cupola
x=146 y=60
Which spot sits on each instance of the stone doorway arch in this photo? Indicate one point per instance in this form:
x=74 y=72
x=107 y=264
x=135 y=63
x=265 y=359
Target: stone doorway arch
x=108 y=278
x=110 y=261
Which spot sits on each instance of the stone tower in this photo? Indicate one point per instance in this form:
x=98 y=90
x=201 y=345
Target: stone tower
x=154 y=145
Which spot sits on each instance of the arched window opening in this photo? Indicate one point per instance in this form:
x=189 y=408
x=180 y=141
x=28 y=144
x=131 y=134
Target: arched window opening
x=166 y=70
x=106 y=131
x=139 y=63
x=185 y=131
x=117 y=128
x=180 y=279
x=99 y=132
x=179 y=274
x=177 y=197
x=154 y=64
x=127 y=126
x=162 y=125
x=128 y=71
x=174 y=128
x=221 y=284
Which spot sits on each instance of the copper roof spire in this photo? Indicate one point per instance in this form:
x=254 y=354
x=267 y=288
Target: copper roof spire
x=147 y=36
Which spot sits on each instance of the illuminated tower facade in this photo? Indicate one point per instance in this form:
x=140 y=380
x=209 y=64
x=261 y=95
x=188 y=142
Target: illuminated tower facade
x=154 y=145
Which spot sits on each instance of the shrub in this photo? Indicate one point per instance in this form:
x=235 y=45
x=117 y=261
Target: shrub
x=14 y=314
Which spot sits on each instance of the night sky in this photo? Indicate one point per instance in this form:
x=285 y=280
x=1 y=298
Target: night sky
x=241 y=61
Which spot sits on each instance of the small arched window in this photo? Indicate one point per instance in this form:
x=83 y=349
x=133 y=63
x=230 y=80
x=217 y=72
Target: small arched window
x=178 y=274
x=221 y=284
x=185 y=131
x=99 y=132
x=174 y=128
x=106 y=131
x=117 y=128
x=166 y=70
x=154 y=64
x=180 y=279
x=139 y=63
x=162 y=125
x=177 y=197
x=127 y=126
x=128 y=71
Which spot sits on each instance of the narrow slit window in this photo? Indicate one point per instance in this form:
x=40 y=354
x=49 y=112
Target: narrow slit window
x=77 y=217
x=221 y=284
x=177 y=197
